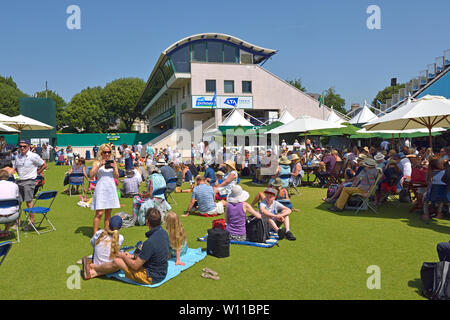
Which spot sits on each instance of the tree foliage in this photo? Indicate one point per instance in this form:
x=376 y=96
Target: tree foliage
x=333 y=99
x=9 y=97
x=386 y=93
x=297 y=83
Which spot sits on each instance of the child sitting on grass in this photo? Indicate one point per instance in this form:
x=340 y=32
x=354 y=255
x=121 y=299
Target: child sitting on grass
x=177 y=236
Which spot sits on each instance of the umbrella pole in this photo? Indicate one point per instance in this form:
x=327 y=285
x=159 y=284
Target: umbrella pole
x=430 y=138
x=393 y=141
x=399 y=145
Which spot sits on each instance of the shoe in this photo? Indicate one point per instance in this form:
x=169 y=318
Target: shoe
x=290 y=236
x=86 y=273
x=28 y=227
x=335 y=209
x=210 y=271
x=209 y=276
x=281 y=233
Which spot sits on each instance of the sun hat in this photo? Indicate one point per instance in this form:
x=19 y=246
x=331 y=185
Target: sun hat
x=362 y=156
x=366 y=149
x=220 y=173
x=271 y=190
x=130 y=173
x=369 y=162
x=231 y=164
x=237 y=195
x=152 y=168
x=284 y=160
x=115 y=223
x=277 y=183
x=378 y=157
x=269 y=150
x=294 y=157
x=161 y=162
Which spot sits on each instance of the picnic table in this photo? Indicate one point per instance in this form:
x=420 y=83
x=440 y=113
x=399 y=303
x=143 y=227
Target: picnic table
x=310 y=169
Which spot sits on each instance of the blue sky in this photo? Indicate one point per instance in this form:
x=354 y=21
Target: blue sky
x=325 y=42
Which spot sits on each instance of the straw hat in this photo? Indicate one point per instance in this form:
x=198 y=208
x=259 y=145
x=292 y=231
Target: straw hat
x=220 y=173
x=284 y=160
x=231 y=164
x=237 y=195
x=294 y=157
x=369 y=162
x=362 y=156
x=379 y=157
x=277 y=183
x=366 y=149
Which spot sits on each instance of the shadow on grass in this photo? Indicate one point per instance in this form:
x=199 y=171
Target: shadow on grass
x=416 y=284
x=86 y=231
x=387 y=211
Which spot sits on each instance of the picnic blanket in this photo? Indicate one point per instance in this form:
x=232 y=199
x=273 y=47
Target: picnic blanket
x=270 y=242
x=191 y=257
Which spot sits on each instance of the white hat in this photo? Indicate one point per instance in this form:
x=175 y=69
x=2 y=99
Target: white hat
x=237 y=195
x=161 y=162
x=379 y=156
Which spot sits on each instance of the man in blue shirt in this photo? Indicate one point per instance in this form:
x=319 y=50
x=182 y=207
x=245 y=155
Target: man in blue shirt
x=150 y=265
x=204 y=195
x=210 y=174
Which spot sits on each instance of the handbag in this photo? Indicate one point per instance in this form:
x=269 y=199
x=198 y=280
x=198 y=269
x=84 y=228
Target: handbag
x=219 y=223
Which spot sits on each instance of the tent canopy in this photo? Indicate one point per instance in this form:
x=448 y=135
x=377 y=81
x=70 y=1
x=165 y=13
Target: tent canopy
x=235 y=119
x=363 y=116
x=286 y=117
x=333 y=117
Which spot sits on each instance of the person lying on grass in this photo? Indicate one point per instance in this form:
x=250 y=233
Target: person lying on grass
x=276 y=214
x=106 y=244
x=150 y=265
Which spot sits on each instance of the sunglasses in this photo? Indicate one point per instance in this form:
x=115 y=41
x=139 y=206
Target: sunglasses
x=23 y=146
x=106 y=152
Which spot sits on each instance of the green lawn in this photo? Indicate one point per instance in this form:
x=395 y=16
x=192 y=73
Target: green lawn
x=329 y=259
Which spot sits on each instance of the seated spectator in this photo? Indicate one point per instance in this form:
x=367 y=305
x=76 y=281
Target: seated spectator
x=155 y=181
x=187 y=174
x=379 y=158
x=179 y=175
x=282 y=193
x=138 y=172
x=177 y=237
x=276 y=214
x=229 y=180
x=362 y=184
x=130 y=185
x=329 y=161
x=8 y=190
x=78 y=167
x=106 y=244
x=437 y=190
x=150 y=265
x=203 y=195
x=297 y=172
x=168 y=173
x=284 y=168
x=349 y=176
x=235 y=216
x=389 y=182
x=210 y=175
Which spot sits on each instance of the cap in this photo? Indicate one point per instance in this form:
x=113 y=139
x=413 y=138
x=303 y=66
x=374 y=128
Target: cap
x=26 y=141
x=271 y=190
x=115 y=223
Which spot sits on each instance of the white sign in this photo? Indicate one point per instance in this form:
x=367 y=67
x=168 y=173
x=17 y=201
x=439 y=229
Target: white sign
x=222 y=102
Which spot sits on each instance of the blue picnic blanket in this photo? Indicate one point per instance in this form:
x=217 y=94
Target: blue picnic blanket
x=270 y=242
x=191 y=257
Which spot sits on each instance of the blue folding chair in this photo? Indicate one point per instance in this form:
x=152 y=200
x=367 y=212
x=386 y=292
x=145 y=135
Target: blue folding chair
x=169 y=191
x=158 y=192
x=46 y=197
x=72 y=183
x=4 y=249
x=10 y=203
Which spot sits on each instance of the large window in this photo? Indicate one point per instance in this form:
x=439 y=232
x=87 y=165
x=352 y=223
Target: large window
x=199 y=51
x=215 y=51
x=210 y=85
x=230 y=53
x=246 y=87
x=181 y=60
x=228 y=86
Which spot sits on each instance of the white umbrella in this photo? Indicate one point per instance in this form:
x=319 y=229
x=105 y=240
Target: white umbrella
x=22 y=122
x=427 y=112
x=5 y=119
x=304 y=124
x=5 y=128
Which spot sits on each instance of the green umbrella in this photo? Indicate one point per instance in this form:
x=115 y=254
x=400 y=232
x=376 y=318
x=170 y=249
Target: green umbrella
x=348 y=130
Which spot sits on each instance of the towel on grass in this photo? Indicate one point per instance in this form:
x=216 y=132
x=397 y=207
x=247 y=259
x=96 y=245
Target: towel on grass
x=191 y=257
x=270 y=242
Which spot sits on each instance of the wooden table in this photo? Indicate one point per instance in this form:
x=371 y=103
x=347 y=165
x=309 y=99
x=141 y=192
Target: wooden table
x=413 y=187
x=308 y=171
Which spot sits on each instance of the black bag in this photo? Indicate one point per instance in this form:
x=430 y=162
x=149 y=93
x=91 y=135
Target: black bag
x=435 y=278
x=257 y=230
x=66 y=179
x=218 y=243
x=404 y=196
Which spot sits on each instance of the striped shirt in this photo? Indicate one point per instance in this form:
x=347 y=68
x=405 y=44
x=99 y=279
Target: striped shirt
x=204 y=194
x=366 y=178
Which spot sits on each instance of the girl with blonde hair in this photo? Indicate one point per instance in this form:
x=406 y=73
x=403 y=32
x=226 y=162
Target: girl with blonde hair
x=177 y=236
x=105 y=195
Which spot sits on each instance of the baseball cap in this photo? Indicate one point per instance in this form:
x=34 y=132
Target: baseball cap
x=115 y=223
x=25 y=141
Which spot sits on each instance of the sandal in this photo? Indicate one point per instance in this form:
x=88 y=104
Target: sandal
x=210 y=271
x=86 y=272
x=210 y=276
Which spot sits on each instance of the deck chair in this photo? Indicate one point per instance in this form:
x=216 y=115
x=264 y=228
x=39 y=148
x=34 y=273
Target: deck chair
x=335 y=175
x=8 y=203
x=365 y=203
x=72 y=183
x=4 y=249
x=46 y=197
x=292 y=182
x=158 y=192
x=168 y=192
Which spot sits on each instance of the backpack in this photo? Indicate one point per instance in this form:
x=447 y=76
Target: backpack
x=435 y=278
x=332 y=190
x=257 y=230
x=218 y=243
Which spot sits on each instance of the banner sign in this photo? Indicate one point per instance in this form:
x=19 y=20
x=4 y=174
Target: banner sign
x=222 y=102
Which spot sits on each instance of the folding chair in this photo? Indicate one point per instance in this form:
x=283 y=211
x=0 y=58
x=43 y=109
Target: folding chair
x=158 y=192
x=365 y=203
x=71 y=183
x=4 y=249
x=169 y=192
x=9 y=203
x=335 y=175
x=47 y=196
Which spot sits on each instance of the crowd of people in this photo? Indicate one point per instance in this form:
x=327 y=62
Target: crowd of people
x=213 y=178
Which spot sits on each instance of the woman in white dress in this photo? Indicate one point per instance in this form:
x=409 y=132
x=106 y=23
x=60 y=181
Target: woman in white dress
x=105 y=195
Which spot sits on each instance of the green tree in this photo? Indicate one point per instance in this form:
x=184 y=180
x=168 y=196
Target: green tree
x=60 y=105
x=333 y=99
x=86 y=111
x=297 y=83
x=386 y=93
x=9 y=97
x=120 y=97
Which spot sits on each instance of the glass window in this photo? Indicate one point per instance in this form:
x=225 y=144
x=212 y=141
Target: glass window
x=228 y=86
x=246 y=87
x=199 y=49
x=246 y=57
x=210 y=85
x=215 y=51
x=229 y=53
x=180 y=60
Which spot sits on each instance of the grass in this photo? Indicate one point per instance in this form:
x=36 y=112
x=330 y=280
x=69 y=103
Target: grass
x=329 y=259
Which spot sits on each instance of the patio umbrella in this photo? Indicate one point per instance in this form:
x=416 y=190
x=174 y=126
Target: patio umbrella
x=5 y=128
x=347 y=130
x=428 y=112
x=22 y=122
x=304 y=124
